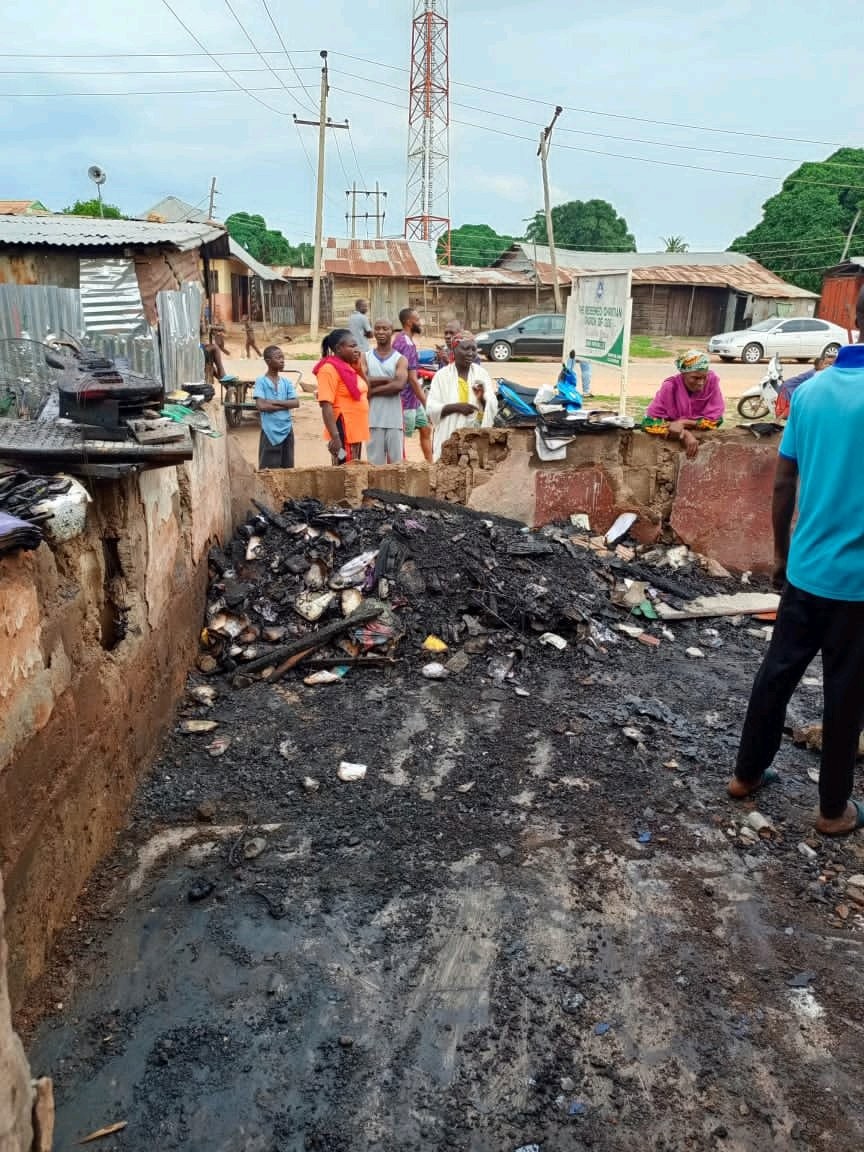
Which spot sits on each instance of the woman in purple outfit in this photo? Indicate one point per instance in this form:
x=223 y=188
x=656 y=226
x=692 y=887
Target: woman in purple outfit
x=689 y=400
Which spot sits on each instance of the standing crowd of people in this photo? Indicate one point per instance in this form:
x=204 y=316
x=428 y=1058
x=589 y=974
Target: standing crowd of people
x=370 y=393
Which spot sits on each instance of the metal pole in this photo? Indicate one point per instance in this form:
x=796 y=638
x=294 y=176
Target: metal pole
x=354 y=210
x=319 y=205
x=543 y=153
x=849 y=235
x=377 y=212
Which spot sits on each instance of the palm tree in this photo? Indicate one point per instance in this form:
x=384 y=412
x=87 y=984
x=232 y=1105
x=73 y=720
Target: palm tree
x=675 y=243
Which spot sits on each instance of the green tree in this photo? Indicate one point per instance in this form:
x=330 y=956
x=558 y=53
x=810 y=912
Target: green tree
x=593 y=225
x=91 y=208
x=675 y=244
x=266 y=244
x=803 y=228
x=476 y=245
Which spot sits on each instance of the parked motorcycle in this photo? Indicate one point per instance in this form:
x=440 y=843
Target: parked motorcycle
x=761 y=400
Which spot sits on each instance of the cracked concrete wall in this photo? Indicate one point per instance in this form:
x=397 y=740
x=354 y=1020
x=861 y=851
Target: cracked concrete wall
x=100 y=632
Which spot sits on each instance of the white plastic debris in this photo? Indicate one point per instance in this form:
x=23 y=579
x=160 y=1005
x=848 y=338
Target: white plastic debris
x=621 y=527
x=760 y=824
x=191 y=726
x=807 y=852
x=68 y=512
x=354 y=571
x=326 y=676
x=203 y=694
x=694 y=653
x=311 y=784
x=435 y=671
x=350 y=772
x=553 y=641
x=632 y=630
x=312 y=605
x=580 y=520
x=253 y=547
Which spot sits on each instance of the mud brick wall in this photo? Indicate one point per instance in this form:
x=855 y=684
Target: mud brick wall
x=96 y=635
x=16 y=1093
x=719 y=504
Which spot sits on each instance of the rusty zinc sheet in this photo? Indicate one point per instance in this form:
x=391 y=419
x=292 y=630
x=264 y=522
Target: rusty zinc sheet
x=750 y=278
x=394 y=259
x=485 y=277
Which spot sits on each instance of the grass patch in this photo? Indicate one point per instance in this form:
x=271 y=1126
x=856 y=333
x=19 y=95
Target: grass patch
x=636 y=405
x=644 y=348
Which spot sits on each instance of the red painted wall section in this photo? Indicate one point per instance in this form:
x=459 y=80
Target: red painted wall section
x=558 y=494
x=722 y=504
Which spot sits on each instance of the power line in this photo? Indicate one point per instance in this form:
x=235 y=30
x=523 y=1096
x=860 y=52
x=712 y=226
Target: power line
x=236 y=83
x=158 y=92
x=612 y=115
x=341 y=161
x=609 y=136
x=617 y=155
x=356 y=158
x=252 y=43
x=377 y=64
x=50 y=73
x=309 y=99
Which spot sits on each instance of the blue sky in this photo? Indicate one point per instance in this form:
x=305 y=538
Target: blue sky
x=777 y=69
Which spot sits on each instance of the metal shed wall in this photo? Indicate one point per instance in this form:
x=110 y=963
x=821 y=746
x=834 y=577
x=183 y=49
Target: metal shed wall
x=839 y=297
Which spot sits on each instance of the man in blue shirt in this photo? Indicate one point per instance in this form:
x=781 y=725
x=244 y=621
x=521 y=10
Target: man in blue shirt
x=822 y=576
x=275 y=397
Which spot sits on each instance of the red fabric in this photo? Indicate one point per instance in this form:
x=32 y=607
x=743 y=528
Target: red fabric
x=347 y=374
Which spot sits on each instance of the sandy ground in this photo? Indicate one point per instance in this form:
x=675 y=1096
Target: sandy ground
x=645 y=378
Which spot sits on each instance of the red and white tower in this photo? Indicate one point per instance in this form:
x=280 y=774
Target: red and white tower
x=427 y=199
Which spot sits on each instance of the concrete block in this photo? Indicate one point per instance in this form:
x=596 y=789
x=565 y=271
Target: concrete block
x=722 y=505
x=559 y=494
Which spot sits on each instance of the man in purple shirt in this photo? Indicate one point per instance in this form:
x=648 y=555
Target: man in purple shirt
x=413 y=396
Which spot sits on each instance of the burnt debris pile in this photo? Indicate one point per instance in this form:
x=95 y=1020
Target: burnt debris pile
x=403 y=579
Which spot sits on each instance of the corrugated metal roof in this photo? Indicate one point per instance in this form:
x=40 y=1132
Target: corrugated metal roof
x=402 y=259
x=86 y=231
x=289 y=273
x=240 y=253
x=485 y=277
x=173 y=210
x=700 y=269
x=22 y=207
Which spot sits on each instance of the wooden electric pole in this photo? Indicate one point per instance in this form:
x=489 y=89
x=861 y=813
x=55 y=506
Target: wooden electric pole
x=212 y=207
x=849 y=235
x=543 y=153
x=322 y=124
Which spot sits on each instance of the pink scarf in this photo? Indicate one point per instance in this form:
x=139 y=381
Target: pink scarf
x=347 y=374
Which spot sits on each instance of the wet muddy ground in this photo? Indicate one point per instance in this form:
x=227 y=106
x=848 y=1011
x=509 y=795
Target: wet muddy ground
x=522 y=927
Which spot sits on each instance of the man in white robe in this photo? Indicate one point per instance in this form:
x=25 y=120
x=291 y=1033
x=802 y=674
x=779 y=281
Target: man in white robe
x=462 y=395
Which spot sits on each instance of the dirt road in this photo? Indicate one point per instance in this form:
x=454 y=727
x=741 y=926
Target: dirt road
x=646 y=376
x=534 y=923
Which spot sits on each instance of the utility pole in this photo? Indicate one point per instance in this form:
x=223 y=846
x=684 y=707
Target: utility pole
x=543 y=153
x=322 y=124
x=849 y=235
x=212 y=207
x=378 y=216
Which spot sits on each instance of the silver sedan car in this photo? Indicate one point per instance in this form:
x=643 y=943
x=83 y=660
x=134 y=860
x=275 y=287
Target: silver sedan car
x=796 y=338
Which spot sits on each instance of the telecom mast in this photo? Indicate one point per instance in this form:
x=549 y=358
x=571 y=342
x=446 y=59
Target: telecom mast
x=427 y=200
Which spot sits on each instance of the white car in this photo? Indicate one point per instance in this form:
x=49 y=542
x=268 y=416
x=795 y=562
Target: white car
x=797 y=337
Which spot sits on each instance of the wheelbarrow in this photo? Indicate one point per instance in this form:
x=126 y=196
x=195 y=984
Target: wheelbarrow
x=234 y=396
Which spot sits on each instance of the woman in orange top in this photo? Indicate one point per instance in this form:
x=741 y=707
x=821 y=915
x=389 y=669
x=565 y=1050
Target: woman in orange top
x=343 y=396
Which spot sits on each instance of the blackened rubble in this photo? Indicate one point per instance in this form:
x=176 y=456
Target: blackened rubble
x=436 y=571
